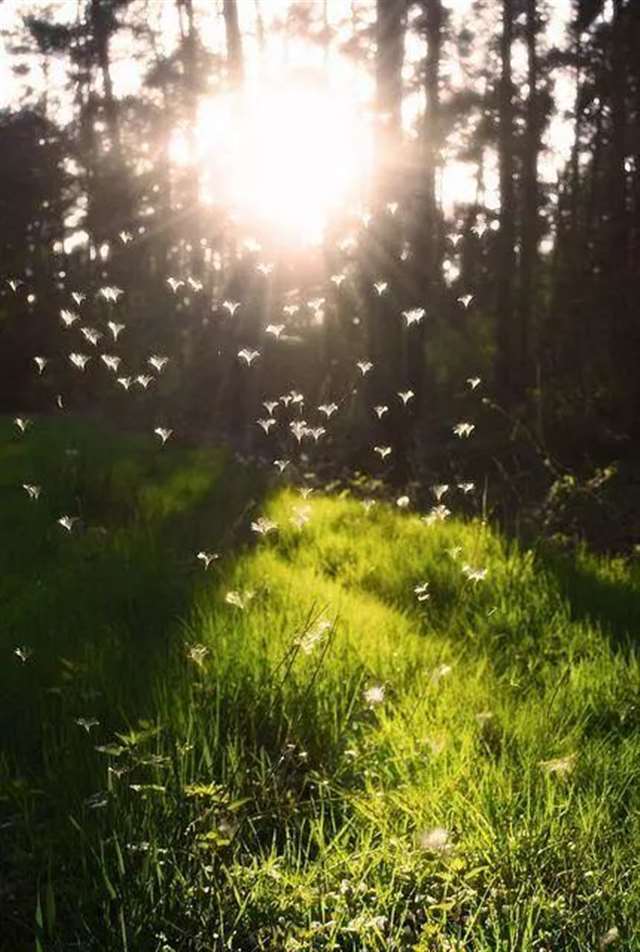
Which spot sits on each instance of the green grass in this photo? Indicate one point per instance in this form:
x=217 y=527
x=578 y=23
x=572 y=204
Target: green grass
x=240 y=791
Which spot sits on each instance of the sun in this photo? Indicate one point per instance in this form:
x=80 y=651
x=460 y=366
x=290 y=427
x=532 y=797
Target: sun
x=287 y=156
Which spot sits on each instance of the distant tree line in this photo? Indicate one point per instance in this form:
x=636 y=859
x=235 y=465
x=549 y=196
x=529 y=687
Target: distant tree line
x=554 y=268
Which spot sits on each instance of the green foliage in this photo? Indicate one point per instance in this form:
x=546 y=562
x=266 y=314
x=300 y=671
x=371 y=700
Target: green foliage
x=335 y=765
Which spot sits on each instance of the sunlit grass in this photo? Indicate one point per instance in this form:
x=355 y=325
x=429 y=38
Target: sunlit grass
x=454 y=773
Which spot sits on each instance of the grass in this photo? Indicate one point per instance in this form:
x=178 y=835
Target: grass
x=335 y=765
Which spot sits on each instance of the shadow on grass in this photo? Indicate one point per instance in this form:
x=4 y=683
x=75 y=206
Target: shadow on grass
x=90 y=615
x=602 y=593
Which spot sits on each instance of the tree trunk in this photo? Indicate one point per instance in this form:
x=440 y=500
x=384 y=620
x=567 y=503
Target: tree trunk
x=101 y=37
x=530 y=202
x=390 y=26
x=235 y=60
x=429 y=239
x=506 y=337
x=624 y=337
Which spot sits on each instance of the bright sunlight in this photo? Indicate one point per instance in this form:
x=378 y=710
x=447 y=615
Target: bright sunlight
x=287 y=156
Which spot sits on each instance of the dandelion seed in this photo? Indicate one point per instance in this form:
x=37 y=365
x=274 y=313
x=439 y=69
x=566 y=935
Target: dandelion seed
x=248 y=355
x=91 y=335
x=455 y=240
x=67 y=522
x=611 y=935
x=300 y=516
x=78 y=298
x=14 y=284
x=197 y=653
x=392 y=207
x=296 y=397
x=163 y=433
x=111 y=361
x=194 y=284
x=382 y=451
x=403 y=502
x=285 y=399
x=406 y=395
x=299 y=429
x=79 y=360
x=483 y=717
x=281 y=464
x=438 y=514
x=439 y=489
x=59 y=401
x=265 y=269
x=231 y=306
x=41 y=363
x=316 y=432
x=474 y=382
x=125 y=237
x=479 y=229
x=306 y=491
x=291 y=309
x=474 y=574
x=158 y=363
x=559 y=766
x=454 y=552
x=175 y=284
x=414 y=316
x=422 y=592
x=274 y=329
x=68 y=318
x=115 y=328
x=22 y=423
x=318 y=632
x=437 y=840
x=465 y=300
x=380 y=287
x=239 y=599
x=207 y=558
x=110 y=293
x=143 y=380
x=466 y=487
x=380 y=411
x=87 y=723
x=338 y=279
x=364 y=366
x=125 y=382
x=328 y=409
x=368 y=504
x=97 y=801
x=263 y=526
x=270 y=406
x=32 y=490
x=315 y=304
x=374 y=695
x=23 y=653
x=464 y=429
x=366 y=218
x=440 y=672
x=267 y=424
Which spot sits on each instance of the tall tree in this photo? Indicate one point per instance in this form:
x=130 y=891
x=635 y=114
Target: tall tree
x=530 y=235
x=235 y=59
x=507 y=356
x=390 y=28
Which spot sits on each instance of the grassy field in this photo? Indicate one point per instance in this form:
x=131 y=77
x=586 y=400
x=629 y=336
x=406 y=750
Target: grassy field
x=293 y=749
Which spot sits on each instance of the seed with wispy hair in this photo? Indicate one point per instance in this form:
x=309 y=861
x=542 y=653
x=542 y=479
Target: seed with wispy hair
x=436 y=840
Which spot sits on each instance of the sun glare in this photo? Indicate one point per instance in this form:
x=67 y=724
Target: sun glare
x=286 y=156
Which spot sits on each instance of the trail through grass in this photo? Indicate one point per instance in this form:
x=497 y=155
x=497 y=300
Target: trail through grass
x=290 y=750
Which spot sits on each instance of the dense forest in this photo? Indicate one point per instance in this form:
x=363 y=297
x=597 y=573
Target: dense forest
x=319 y=511
x=527 y=279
